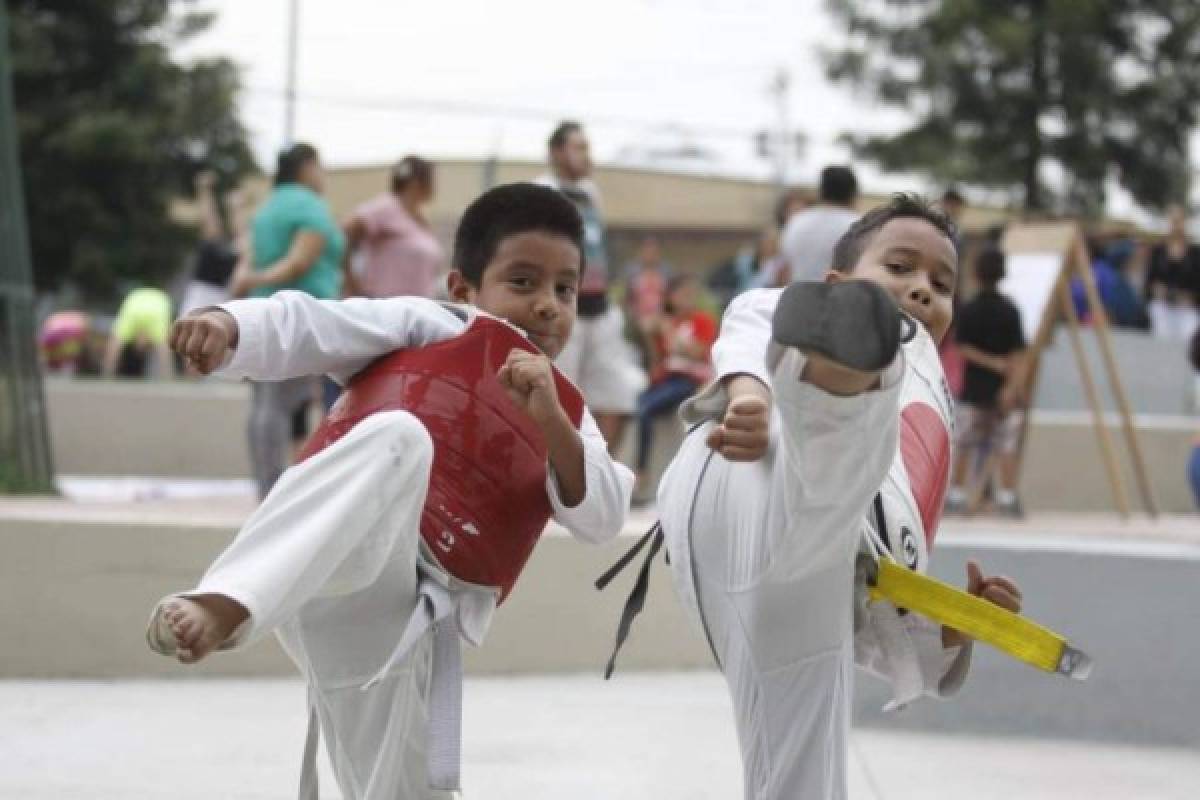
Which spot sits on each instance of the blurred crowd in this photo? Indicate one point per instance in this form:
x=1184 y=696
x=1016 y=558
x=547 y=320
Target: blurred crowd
x=644 y=335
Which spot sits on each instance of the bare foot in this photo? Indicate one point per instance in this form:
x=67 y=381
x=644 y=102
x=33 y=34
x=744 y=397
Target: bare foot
x=201 y=624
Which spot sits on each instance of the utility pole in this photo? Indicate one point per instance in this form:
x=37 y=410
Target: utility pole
x=289 y=109
x=778 y=89
x=25 y=462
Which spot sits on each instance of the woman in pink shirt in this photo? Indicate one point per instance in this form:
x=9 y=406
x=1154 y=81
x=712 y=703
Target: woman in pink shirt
x=390 y=249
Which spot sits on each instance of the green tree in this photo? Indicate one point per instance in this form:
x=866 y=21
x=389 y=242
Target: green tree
x=111 y=129
x=1005 y=93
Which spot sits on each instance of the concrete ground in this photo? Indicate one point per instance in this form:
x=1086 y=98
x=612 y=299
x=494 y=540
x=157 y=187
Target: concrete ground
x=642 y=736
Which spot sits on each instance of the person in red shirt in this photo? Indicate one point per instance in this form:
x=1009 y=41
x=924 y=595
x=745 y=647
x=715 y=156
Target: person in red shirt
x=681 y=361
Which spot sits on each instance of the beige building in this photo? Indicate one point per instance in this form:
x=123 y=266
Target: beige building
x=701 y=220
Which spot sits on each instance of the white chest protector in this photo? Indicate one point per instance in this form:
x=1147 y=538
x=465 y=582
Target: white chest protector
x=904 y=519
x=907 y=511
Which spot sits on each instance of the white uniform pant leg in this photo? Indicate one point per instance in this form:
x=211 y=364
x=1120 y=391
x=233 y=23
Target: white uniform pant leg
x=330 y=558
x=771 y=548
x=330 y=524
x=377 y=739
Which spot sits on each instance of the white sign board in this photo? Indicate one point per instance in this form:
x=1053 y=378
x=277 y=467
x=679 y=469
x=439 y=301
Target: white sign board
x=1029 y=282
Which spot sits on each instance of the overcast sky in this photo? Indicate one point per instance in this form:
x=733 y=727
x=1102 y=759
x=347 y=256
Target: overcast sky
x=381 y=78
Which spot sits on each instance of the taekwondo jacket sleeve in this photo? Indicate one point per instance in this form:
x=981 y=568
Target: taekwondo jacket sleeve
x=292 y=334
x=745 y=333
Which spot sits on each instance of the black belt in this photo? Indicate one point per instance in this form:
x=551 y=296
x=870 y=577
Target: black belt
x=637 y=597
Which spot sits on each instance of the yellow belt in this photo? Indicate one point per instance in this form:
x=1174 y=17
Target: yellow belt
x=987 y=622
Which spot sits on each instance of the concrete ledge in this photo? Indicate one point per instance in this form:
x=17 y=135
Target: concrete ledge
x=86 y=588
x=190 y=430
x=79 y=592
x=1064 y=471
x=178 y=429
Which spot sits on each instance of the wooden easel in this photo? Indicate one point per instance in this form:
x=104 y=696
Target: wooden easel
x=1048 y=298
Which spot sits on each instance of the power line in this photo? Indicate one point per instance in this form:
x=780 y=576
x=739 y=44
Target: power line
x=490 y=111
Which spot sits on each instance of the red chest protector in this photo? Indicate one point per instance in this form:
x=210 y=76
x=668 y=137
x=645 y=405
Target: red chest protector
x=486 y=506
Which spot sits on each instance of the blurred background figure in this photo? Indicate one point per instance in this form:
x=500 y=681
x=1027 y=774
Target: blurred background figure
x=390 y=247
x=217 y=254
x=955 y=205
x=646 y=279
x=646 y=282
x=1194 y=461
x=296 y=244
x=597 y=358
x=764 y=267
x=681 y=363
x=991 y=405
x=62 y=342
x=790 y=203
x=769 y=268
x=1122 y=305
x=137 y=346
x=809 y=236
x=1173 y=281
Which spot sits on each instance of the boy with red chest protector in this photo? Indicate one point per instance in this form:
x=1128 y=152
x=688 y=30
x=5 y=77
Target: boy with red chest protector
x=418 y=500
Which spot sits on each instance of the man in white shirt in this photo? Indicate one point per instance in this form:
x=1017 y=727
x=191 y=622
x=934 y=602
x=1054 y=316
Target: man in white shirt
x=597 y=359
x=810 y=235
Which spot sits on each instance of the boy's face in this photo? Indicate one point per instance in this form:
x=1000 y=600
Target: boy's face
x=532 y=281
x=918 y=266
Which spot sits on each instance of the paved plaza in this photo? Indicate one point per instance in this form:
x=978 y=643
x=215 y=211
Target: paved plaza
x=638 y=737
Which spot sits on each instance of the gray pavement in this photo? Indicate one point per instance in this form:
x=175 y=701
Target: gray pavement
x=640 y=737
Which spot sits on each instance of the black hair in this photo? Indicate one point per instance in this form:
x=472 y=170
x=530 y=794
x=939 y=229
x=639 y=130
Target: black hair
x=563 y=132
x=990 y=266
x=856 y=238
x=507 y=210
x=291 y=161
x=952 y=195
x=674 y=284
x=838 y=185
x=411 y=169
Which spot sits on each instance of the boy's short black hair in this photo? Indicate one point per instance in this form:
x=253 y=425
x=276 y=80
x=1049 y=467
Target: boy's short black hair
x=505 y=211
x=838 y=185
x=990 y=266
x=561 y=133
x=856 y=238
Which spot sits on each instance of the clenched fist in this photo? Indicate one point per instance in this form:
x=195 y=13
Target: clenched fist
x=743 y=432
x=529 y=380
x=204 y=339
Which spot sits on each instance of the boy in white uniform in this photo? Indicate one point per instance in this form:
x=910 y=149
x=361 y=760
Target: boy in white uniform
x=333 y=560
x=763 y=507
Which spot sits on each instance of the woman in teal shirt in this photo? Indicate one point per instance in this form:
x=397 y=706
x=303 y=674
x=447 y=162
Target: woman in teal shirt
x=298 y=245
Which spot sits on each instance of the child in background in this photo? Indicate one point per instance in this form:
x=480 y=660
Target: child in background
x=681 y=342
x=991 y=406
